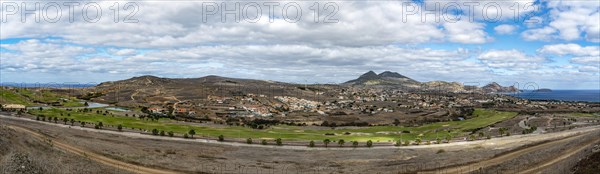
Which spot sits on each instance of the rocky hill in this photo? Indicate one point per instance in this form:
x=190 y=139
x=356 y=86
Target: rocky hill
x=385 y=78
x=148 y=90
x=497 y=88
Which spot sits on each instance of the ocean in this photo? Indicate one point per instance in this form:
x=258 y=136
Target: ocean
x=564 y=95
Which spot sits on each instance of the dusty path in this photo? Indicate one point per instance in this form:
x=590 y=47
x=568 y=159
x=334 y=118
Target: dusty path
x=515 y=154
x=91 y=155
x=570 y=152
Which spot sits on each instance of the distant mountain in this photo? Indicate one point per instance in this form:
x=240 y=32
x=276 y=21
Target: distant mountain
x=385 y=78
x=496 y=88
x=542 y=90
x=148 y=90
x=447 y=86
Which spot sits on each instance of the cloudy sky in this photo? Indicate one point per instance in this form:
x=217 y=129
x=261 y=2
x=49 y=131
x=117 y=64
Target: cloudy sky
x=553 y=44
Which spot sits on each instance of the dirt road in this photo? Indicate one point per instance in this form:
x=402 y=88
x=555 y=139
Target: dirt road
x=91 y=155
x=515 y=154
x=126 y=150
x=570 y=152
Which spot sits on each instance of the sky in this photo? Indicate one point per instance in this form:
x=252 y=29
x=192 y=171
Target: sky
x=547 y=44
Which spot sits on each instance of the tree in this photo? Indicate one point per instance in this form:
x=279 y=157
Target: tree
x=120 y=128
x=418 y=141
x=221 y=138
x=341 y=142
x=278 y=142
x=192 y=132
x=86 y=104
x=326 y=142
x=406 y=142
x=96 y=127
x=264 y=142
x=355 y=144
x=396 y=122
x=154 y=131
x=100 y=124
x=72 y=121
x=162 y=133
x=82 y=124
x=185 y=136
x=55 y=119
x=438 y=140
x=36 y=117
x=369 y=143
x=471 y=137
x=398 y=143
x=249 y=141
x=171 y=134
x=311 y=143
x=481 y=134
x=501 y=131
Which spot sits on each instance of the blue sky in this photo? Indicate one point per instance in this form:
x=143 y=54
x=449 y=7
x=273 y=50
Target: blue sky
x=557 y=48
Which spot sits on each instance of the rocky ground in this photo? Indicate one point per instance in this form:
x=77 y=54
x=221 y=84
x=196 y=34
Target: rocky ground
x=23 y=153
x=590 y=164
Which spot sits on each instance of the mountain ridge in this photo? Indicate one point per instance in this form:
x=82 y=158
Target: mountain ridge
x=152 y=88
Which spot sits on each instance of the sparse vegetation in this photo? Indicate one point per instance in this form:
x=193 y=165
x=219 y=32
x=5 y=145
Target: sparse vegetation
x=481 y=118
x=326 y=142
x=341 y=142
x=192 y=132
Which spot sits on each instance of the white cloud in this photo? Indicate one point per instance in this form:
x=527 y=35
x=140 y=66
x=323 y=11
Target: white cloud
x=491 y=11
x=171 y=25
x=122 y=52
x=505 y=29
x=569 y=20
x=570 y=49
x=467 y=32
x=543 y=34
x=511 y=60
x=586 y=60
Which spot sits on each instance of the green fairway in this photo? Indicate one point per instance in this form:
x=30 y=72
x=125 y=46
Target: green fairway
x=584 y=114
x=482 y=118
x=27 y=96
x=11 y=97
